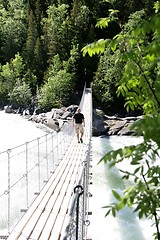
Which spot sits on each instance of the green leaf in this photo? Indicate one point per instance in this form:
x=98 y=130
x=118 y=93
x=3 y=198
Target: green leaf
x=113 y=11
x=156 y=6
x=150 y=57
x=116 y=195
x=95 y=47
x=113 y=45
x=140 y=214
x=119 y=37
x=129 y=106
x=136 y=170
x=113 y=212
x=108 y=212
x=103 y=22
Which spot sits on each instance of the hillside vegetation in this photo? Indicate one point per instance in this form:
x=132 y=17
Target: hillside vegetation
x=40 y=50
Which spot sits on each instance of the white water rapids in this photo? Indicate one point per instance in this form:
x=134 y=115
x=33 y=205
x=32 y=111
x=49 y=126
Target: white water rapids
x=126 y=225
x=15 y=130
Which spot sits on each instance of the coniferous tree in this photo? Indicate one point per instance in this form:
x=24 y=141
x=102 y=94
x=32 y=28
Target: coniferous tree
x=55 y=28
x=38 y=15
x=39 y=63
x=31 y=40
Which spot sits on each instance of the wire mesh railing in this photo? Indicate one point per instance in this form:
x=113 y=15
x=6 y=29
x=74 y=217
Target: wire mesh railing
x=24 y=170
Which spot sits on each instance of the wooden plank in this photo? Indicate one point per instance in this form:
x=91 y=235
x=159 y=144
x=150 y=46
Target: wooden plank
x=65 y=180
x=60 y=201
x=48 y=227
x=40 y=225
x=56 y=231
x=42 y=205
x=22 y=238
x=30 y=225
x=56 y=208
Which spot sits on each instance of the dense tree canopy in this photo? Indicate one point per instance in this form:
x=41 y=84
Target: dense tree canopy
x=38 y=30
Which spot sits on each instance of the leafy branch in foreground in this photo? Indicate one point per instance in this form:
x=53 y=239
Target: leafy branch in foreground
x=137 y=48
x=144 y=193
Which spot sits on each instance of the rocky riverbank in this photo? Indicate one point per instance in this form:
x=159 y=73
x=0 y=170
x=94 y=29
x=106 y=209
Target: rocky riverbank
x=102 y=123
x=112 y=125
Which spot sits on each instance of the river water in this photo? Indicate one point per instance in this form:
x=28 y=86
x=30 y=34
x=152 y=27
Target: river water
x=15 y=130
x=126 y=226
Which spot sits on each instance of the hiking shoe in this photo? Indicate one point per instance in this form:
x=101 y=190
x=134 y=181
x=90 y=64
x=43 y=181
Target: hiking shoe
x=81 y=140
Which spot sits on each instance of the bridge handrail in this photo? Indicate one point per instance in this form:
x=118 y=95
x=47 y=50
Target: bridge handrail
x=29 y=165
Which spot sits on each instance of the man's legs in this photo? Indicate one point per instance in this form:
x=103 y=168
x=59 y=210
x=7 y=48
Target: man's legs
x=77 y=131
x=81 y=133
x=78 y=136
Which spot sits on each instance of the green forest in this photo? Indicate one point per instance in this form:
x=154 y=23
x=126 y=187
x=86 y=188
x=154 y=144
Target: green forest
x=41 y=46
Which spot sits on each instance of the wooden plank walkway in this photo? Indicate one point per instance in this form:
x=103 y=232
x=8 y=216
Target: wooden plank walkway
x=48 y=216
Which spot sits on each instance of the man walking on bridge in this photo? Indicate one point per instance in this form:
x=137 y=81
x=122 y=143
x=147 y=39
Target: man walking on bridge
x=79 y=123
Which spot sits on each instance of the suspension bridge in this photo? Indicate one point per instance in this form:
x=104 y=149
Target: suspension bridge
x=45 y=184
